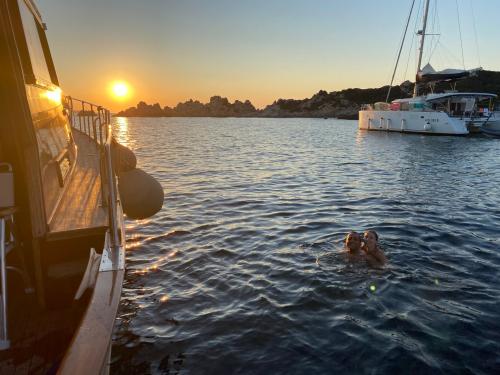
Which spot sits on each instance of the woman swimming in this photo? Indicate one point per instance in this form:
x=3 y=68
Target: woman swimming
x=374 y=254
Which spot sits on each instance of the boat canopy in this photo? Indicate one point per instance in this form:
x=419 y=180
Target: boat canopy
x=479 y=96
x=428 y=74
x=418 y=99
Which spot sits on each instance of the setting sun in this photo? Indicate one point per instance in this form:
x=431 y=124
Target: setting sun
x=120 y=89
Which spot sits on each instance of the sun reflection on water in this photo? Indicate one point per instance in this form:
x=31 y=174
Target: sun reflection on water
x=360 y=137
x=121 y=130
x=155 y=266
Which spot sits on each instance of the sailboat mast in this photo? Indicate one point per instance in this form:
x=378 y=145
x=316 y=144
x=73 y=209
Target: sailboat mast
x=421 y=50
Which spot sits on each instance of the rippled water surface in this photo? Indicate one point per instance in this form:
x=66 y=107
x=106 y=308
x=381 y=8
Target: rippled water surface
x=243 y=272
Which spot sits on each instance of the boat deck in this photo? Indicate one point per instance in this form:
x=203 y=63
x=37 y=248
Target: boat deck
x=80 y=211
x=39 y=337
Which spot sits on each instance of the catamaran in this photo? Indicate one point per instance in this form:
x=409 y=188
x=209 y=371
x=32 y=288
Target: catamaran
x=447 y=113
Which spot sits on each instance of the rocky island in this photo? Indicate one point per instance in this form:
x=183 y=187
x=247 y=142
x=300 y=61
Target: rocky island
x=340 y=104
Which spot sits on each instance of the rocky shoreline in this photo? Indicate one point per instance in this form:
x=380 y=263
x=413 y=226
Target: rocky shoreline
x=342 y=104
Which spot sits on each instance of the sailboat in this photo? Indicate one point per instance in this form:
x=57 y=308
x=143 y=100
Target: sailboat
x=447 y=113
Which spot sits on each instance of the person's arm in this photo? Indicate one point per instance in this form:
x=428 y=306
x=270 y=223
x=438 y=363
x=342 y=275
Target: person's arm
x=376 y=257
x=379 y=255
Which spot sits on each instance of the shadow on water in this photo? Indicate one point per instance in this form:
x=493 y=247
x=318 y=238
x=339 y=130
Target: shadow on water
x=243 y=269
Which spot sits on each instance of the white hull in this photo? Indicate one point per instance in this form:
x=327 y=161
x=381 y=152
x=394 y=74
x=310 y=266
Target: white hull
x=412 y=122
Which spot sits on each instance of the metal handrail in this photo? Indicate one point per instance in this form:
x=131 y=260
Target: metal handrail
x=85 y=119
x=95 y=121
x=112 y=200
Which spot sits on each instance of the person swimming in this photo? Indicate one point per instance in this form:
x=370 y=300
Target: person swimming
x=353 y=245
x=353 y=242
x=374 y=254
x=365 y=247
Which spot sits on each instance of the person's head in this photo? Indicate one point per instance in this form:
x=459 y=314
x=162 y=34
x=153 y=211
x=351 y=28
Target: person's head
x=371 y=238
x=353 y=241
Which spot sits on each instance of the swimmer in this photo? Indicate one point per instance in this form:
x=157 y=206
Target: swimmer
x=372 y=250
x=353 y=244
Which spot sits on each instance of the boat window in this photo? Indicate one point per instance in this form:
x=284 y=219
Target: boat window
x=31 y=31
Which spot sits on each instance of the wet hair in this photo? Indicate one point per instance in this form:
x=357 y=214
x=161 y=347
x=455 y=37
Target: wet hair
x=373 y=232
x=352 y=233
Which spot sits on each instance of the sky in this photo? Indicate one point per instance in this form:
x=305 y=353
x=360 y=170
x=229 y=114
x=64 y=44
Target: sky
x=170 y=51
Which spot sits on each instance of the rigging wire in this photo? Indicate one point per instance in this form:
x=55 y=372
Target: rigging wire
x=401 y=40
x=450 y=58
x=412 y=39
x=436 y=30
x=460 y=33
x=430 y=28
x=400 y=49
x=434 y=35
x=475 y=33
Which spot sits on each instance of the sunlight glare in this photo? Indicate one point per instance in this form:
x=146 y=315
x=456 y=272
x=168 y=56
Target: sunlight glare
x=54 y=95
x=120 y=89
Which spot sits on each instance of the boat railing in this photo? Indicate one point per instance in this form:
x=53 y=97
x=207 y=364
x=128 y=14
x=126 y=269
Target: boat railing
x=95 y=122
x=90 y=348
x=88 y=118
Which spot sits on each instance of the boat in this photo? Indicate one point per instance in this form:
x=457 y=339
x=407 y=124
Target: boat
x=62 y=235
x=447 y=113
x=492 y=126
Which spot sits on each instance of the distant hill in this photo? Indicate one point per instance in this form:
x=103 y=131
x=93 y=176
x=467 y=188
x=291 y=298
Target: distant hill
x=217 y=107
x=340 y=104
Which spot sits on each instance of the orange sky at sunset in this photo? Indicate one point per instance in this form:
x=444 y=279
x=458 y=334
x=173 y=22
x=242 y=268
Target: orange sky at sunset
x=172 y=51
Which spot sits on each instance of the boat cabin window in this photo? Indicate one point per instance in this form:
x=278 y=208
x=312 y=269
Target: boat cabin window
x=439 y=106
x=32 y=32
x=56 y=151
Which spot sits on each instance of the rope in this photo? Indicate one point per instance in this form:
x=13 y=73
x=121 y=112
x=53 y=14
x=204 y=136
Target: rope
x=435 y=34
x=400 y=49
x=432 y=31
x=412 y=40
x=475 y=33
x=450 y=57
x=460 y=33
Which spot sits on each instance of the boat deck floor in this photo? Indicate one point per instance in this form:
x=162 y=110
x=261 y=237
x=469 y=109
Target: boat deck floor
x=80 y=211
x=39 y=337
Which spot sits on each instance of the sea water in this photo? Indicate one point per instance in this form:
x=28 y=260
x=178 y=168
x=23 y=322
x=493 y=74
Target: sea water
x=242 y=271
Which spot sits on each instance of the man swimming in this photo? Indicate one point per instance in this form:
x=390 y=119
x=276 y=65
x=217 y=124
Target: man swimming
x=353 y=244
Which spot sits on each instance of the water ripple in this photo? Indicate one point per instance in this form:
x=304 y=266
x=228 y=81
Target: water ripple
x=243 y=271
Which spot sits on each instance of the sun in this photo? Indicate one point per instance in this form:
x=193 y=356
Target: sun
x=120 y=89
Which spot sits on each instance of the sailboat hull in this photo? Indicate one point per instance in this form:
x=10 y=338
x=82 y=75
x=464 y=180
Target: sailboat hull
x=412 y=122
